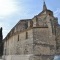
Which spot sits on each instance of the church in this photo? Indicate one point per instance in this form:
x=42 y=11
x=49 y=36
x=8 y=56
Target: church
x=37 y=38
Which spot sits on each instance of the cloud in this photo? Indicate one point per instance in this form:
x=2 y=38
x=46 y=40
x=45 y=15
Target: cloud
x=57 y=12
x=7 y=7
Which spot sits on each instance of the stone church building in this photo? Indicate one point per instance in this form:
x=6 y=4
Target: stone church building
x=34 y=39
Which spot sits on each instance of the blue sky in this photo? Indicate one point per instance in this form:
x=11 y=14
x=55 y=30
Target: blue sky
x=11 y=11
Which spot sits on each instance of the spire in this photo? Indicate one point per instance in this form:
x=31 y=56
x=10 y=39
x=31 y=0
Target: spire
x=44 y=6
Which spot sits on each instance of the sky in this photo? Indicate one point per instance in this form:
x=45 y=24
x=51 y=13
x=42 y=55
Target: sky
x=11 y=11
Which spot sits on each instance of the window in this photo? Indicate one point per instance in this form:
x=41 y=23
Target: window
x=26 y=25
x=49 y=14
x=15 y=29
x=26 y=35
x=31 y=24
x=18 y=37
x=51 y=24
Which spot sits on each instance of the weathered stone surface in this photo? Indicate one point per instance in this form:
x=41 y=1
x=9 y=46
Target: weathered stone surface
x=42 y=57
x=23 y=46
x=17 y=57
x=41 y=50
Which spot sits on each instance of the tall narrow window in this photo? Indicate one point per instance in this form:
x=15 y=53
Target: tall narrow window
x=26 y=35
x=31 y=23
x=26 y=25
x=18 y=37
x=51 y=25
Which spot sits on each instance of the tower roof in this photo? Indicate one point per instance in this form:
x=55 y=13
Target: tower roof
x=44 y=6
x=45 y=10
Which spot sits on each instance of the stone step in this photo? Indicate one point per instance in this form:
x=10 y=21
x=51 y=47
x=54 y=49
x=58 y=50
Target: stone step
x=1 y=59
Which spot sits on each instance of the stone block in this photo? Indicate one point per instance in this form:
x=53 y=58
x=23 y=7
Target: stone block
x=41 y=50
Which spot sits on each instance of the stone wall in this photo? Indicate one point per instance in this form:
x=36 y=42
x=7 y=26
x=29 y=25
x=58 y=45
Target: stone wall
x=19 y=45
x=42 y=57
x=58 y=40
x=17 y=57
x=44 y=45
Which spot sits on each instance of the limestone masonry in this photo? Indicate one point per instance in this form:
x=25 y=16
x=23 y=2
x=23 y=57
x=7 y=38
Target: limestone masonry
x=33 y=39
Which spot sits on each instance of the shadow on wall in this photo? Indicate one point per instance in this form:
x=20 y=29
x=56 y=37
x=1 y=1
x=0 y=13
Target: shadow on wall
x=57 y=58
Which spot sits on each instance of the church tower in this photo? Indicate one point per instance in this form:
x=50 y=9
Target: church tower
x=44 y=34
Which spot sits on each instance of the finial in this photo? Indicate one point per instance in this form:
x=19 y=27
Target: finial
x=44 y=5
x=43 y=0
